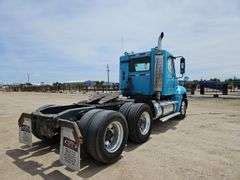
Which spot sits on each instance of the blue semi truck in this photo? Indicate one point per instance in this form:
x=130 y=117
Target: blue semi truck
x=101 y=126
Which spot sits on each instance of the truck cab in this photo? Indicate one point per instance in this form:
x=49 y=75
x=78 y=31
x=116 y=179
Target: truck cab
x=151 y=76
x=137 y=74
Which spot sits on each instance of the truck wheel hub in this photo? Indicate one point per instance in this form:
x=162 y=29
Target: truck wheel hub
x=113 y=136
x=183 y=108
x=144 y=123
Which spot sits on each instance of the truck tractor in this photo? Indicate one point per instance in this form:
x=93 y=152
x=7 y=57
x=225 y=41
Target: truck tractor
x=101 y=126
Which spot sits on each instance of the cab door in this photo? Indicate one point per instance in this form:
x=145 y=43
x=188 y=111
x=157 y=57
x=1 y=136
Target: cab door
x=170 y=77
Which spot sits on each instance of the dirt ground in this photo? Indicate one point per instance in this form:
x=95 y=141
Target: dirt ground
x=206 y=145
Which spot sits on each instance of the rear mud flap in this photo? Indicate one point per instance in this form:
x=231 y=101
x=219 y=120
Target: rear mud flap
x=70 y=144
x=25 y=129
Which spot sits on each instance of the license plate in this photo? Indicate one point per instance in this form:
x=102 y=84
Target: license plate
x=69 y=149
x=25 y=132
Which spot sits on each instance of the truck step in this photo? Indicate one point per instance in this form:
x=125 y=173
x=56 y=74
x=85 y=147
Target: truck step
x=165 y=103
x=169 y=116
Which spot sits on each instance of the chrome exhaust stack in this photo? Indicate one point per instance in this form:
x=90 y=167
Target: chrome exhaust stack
x=159 y=46
x=158 y=68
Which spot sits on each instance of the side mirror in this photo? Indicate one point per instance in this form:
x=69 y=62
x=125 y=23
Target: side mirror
x=182 y=65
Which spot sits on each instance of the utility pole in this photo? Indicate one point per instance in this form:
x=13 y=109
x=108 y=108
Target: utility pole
x=28 y=78
x=108 y=75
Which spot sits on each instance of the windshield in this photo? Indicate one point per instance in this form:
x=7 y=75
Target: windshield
x=139 y=64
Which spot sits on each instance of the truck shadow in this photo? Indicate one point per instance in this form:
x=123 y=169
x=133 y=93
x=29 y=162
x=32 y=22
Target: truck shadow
x=89 y=168
x=161 y=127
x=23 y=159
x=157 y=128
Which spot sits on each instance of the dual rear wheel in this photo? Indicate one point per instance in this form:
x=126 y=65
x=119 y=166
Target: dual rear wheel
x=105 y=132
x=139 y=119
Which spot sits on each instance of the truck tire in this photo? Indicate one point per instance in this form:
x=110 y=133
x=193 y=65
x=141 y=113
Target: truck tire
x=83 y=125
x=183 y=110
x=107 y=136
x=139 y=122
x=125 y=108
x=84 y=122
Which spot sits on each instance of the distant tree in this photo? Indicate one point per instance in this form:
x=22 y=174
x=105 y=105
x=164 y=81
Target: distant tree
x=235 y=82
x=215 y=80
x=101 y=85
x=97 y=85
x=80 y=86
x=57 y=86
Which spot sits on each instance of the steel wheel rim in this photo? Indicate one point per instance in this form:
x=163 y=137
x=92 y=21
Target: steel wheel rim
x=113 y=136
x=183 y=108
x=144 y=123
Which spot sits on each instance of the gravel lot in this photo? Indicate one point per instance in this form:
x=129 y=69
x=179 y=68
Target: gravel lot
x=206 y=145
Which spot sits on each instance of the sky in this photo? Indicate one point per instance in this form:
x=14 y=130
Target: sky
x=74 y=40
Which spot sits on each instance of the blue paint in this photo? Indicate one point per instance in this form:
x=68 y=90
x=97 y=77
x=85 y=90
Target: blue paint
x=141 y=83
x=178 y=96
x=169 y=76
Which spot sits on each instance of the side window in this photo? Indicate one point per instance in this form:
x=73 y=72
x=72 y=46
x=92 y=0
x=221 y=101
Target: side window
x=139 y=64
x=142 y=66
x=171 y=67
